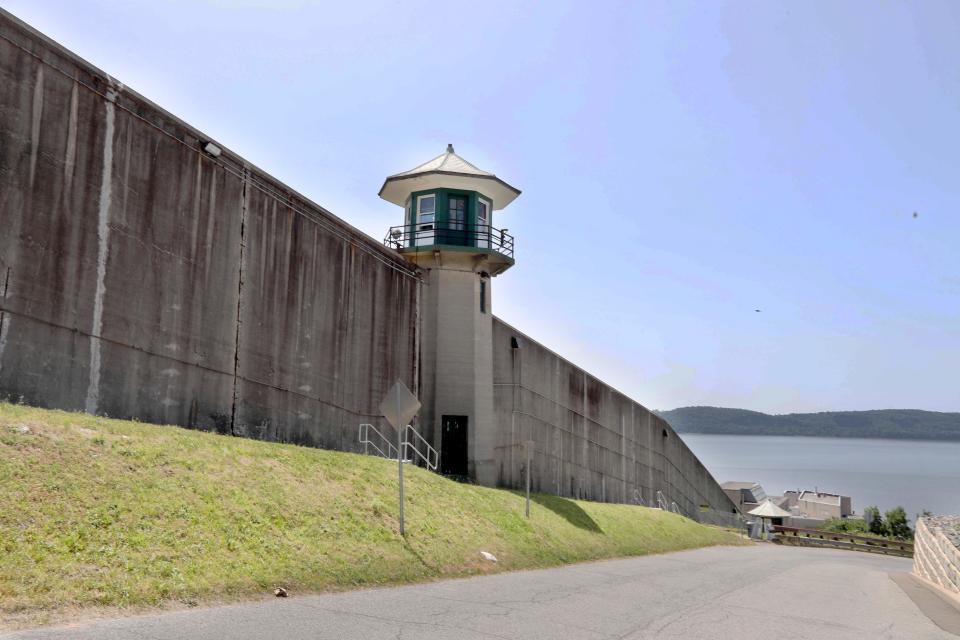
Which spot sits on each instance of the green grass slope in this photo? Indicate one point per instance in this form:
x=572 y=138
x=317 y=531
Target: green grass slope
x=110 y=513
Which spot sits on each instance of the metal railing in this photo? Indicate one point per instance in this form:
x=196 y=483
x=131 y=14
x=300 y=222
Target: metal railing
x=380 y=443
x=662 y=503
x=429 y=455
x=414 y=446
x=481 y=236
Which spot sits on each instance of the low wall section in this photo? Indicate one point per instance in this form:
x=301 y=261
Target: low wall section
x=936 y=552
x=591 y=441
x=143 y=278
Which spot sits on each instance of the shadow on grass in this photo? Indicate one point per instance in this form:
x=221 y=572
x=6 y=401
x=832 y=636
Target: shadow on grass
x=566 y=509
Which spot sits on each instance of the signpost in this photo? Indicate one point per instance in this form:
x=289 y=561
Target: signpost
x=528 y=445
x=398 y=407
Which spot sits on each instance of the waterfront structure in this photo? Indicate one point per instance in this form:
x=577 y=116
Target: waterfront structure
x=817 y=504
x=745 y=495
x=804 y=508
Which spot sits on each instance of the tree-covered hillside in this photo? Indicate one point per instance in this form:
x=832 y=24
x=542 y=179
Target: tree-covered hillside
x=883 y=423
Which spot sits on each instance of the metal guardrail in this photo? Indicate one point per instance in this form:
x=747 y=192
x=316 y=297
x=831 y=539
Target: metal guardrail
x=414 y=446
x=481 y=236
x=818 y=538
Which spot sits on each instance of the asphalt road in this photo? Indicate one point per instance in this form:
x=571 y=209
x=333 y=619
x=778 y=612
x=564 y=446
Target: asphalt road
x=761 y=591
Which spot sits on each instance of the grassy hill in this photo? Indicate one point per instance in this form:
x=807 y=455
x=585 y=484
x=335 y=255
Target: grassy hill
x=116 y=514
x=885 y=423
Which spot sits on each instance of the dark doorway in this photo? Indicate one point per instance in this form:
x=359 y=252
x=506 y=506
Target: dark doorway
x=453 y=446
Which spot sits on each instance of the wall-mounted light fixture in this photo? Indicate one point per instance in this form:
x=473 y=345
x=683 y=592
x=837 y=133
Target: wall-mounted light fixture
x=212 y=150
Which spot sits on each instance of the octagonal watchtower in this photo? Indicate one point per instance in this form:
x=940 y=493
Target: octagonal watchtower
x=448 y=232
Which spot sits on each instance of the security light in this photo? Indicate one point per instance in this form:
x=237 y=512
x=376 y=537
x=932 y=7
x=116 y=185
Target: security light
x=212 y=149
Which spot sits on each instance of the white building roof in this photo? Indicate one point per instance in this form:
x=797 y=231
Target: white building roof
x=447 y=171
x=769 y=510
x=733 y=486
x=446 y=161
x=821 y=498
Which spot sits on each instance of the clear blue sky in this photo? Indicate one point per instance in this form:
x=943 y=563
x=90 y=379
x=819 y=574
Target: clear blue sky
x=682 y=165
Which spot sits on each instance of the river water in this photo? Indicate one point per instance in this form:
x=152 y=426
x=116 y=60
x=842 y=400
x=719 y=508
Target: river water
x=914 y=474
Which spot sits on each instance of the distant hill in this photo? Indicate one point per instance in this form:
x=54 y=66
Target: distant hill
x=911 y=424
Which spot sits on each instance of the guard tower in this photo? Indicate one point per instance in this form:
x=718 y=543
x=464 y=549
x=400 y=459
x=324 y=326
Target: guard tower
x=448 y=232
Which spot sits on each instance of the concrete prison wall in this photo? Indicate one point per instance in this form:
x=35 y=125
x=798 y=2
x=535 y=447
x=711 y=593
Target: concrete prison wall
x=143 y=278
x=591 y=441
x=936 y=552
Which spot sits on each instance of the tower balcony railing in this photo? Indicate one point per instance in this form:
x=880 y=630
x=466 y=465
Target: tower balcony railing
x=480 y=236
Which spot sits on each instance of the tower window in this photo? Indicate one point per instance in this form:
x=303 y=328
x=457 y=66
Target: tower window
x=483 y=296
x=483 y=223
x=458 y=212
x=426 y=207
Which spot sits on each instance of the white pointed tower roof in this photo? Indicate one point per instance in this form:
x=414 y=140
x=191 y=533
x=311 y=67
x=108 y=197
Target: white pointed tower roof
x=447 y=171
x=769 y=510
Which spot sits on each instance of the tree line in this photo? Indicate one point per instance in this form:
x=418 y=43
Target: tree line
x=892 y=524
x=882 y=423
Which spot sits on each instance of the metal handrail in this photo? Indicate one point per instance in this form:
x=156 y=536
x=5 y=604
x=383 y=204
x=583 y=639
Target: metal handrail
x=411 y=446
x=662 y=501
x=432 y=457
x=389 y=454
x=638 y=498
x=481 y=236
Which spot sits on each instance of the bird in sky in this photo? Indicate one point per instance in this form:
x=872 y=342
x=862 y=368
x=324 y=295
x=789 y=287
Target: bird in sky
x=757 y=310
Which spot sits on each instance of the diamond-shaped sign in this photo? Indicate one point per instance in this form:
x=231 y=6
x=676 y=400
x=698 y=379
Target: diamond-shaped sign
x=399 y=406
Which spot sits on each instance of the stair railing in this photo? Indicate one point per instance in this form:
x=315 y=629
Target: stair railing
x=429 y=455
x=414 y=446
x=662 y=503
x=371 y=437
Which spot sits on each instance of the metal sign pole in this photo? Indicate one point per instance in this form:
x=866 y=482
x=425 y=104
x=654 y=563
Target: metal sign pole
x=529 y=448
x=398 y=407
x=400 y=471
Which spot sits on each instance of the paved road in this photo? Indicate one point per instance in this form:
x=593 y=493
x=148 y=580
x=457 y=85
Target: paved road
x=718 y=593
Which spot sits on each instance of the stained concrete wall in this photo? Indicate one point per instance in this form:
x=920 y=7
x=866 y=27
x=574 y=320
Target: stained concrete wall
x=591 y=441
x=142 y=278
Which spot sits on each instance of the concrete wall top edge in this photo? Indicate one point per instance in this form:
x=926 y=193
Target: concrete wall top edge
x=627 y=396
x=660 y=422
x=25 y=37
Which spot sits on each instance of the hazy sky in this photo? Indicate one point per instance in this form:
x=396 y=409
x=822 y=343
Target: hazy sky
x=682 y=164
